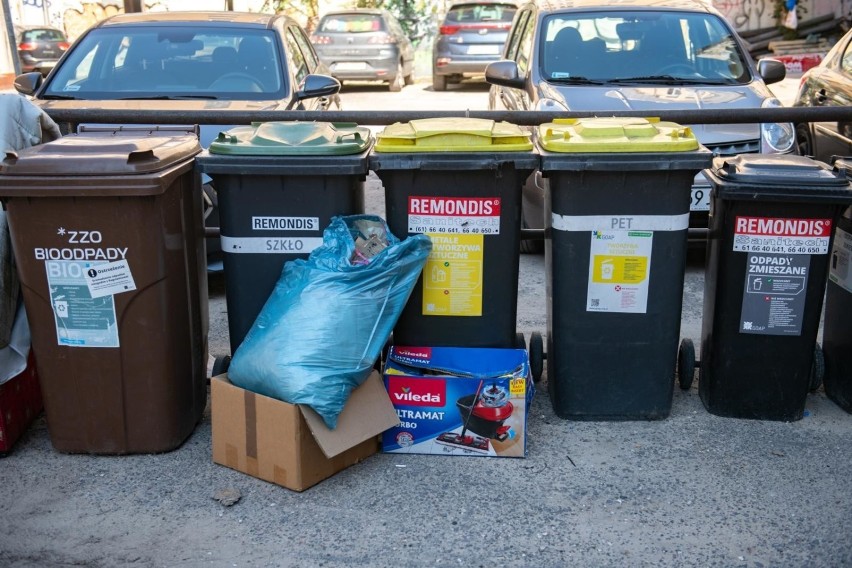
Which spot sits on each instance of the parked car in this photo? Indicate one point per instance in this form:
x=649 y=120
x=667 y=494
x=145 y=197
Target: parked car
x=827 y=84
x=359 y=45
x=471 y=36
x=189 y=61
x=636 y=55
x=40 y=47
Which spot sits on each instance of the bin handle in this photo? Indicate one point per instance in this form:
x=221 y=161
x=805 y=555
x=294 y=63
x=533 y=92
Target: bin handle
x=225 y=137
x=340 y=137
x=140 y=156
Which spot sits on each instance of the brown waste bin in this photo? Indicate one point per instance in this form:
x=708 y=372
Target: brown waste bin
x=108 y=236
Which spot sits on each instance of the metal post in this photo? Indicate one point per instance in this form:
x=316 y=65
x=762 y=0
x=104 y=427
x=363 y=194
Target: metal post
x=10 y=33
x=131 y=6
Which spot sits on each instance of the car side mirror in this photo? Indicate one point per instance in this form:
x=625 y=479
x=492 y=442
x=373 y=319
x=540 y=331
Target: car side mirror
x=315 y=86
x=504 y=73
x=771 y=70
x=28 y=83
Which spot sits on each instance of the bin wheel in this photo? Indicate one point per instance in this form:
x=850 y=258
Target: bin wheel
x=817 y=368
x=520 y=341
x=686 y=364
x=221 y=364
x=536 y=355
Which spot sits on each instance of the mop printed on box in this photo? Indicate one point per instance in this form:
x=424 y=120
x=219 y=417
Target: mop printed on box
x=458 y=401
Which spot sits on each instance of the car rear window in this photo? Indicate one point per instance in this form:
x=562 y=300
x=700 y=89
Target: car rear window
x=480 y=13
x=153 y=62
x=42 y=35
x=352 y=23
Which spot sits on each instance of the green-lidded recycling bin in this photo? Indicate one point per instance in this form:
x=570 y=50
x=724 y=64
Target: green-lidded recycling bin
x=459 y=181
x=108 y=236
x=617 y=196
x=837 y=325
x=279 y=184
x=771 y=223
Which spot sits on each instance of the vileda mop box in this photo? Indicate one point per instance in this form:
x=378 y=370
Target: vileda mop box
x=458 y=401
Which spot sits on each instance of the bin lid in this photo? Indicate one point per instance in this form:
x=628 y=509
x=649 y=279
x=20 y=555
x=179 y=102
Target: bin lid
x=285 y=138
x=453 y=134
x=101 y=154
x=778 y=176
x=615 y=134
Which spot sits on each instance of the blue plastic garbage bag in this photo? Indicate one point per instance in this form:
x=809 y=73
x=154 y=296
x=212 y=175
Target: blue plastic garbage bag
x=321 y=331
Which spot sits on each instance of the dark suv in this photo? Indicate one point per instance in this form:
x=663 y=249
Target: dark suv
x=39 y=48
x=471 y=36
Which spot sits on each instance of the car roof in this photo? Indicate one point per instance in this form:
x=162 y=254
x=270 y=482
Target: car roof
x=209 y=18
x=622 y=5
x=376 y=11
x=477 y=2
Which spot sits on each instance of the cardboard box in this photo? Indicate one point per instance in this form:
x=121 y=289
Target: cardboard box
x=20 y=404
x=289 y=444
x=434 y=389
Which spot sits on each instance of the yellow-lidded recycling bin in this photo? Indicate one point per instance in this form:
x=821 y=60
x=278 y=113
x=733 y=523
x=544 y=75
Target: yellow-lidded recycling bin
x=617 y=198
x=108 y=235
x=459 y=181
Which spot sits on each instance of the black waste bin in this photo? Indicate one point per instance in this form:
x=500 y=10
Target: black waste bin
x=617 y=215
x=459 y=181
x=279 y=184
x=837 y=326
x=109 y=240
x=771 y=223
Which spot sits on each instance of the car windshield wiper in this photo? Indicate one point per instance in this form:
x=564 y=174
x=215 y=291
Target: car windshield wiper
x=667 y=80
x=59 y=98
x=169 y=98
x=575 y=81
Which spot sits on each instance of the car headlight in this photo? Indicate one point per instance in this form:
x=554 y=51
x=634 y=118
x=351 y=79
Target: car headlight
x=546 y=104
x=776 y=137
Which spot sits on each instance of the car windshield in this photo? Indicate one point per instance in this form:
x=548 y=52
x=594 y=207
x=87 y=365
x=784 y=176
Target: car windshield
x=166 y=62
x=642 y=47
x=352 y=23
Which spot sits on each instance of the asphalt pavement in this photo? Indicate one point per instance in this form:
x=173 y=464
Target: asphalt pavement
x=693 y=489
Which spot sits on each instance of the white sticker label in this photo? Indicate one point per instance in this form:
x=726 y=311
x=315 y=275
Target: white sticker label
x=620 y=222
x=458 y=215
x=285 y=223
x=781 y=235
x=270 y=245
x=81 y=320
x=840 y=268
x=109 y=278
x=619 y=269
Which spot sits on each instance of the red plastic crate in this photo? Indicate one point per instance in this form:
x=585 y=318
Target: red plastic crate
x=20 y=404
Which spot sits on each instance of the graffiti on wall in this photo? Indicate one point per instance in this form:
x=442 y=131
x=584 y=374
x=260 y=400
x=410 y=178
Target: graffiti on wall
x=744 y=14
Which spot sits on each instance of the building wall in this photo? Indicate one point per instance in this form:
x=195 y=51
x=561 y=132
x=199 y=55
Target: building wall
x=747 y=15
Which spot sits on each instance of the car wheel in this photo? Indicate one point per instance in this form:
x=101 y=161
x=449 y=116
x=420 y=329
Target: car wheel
x=439 y=82
x=397 y=81
x=804 y=143
x=409 y=79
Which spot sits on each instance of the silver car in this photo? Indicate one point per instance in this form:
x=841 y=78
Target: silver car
x=365 y=44
x=585 y=55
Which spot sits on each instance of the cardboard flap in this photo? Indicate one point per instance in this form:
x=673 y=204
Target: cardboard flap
x=367 y=413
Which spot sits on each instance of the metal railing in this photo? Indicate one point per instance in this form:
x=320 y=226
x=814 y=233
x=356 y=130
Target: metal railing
x=69 y=118
x=378 y=117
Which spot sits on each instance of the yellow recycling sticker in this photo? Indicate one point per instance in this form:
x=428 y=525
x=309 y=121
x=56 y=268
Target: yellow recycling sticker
x=452 y=276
